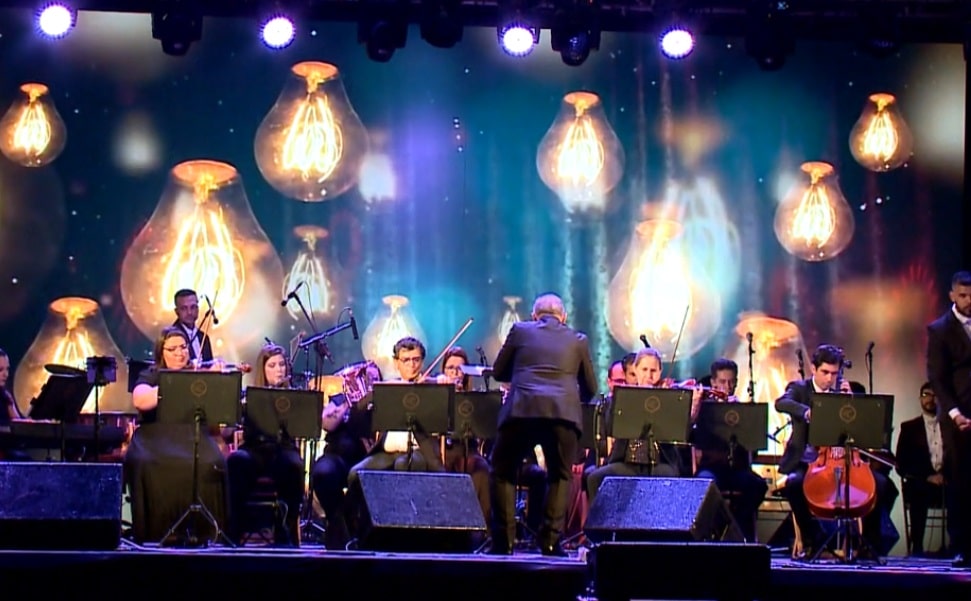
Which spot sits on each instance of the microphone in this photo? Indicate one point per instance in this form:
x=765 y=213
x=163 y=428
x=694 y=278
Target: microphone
x=869 y=348
x=644 y=340
x=211 y=311
x=748 y=337
x=482 y=356
x=292 y=293
x=353 y=324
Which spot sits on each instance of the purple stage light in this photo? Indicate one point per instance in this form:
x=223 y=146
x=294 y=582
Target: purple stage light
x=55 y=20
x=677 y=42
x=278 y=32
x=517 y=40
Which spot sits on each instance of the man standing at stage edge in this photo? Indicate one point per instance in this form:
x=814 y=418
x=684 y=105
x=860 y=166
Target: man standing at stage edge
x=547 y=365
x=949 y=372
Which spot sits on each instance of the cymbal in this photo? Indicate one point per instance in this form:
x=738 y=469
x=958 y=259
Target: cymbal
x=63 y=370
x=477 y=370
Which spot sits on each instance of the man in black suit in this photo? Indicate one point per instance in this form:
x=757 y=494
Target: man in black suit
x=920 y=463
x=548 y=367
x=187 y=314
x=949 y=371
x=826 y=363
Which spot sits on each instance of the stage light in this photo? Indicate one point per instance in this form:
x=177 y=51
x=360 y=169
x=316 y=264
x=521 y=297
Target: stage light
x=517 y=39
x=203 y=235
x=880 y=139
x=309 y=270
x=310 y=145
x=814 y=222
x=56 y=20
x=177 y=24
x=769 y=39
x=32 y=132
x=575 y=32
x=580 y=157
x=277 y=32
x=440 y=25
x=677 y=42
x=74 y=330
x=382 y=36
x=394 y=322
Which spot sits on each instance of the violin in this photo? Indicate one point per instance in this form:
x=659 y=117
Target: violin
x=840 y=484
x=243 y=367
x=707 y=392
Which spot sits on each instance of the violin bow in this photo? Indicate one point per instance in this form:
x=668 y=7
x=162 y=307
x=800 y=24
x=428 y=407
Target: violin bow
x=677 y=341
x=204 y=327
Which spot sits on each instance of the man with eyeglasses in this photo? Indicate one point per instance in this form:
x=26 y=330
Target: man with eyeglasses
x=920 y=463
x=186 y=315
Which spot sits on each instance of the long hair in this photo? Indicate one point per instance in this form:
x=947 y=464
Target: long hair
x=268 y=351
x=166 y=334
x=457 y=351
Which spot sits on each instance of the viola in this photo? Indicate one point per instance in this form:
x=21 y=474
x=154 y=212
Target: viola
x=707 y=392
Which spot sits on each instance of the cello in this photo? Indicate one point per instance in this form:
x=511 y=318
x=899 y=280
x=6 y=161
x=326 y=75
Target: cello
x=839 y=484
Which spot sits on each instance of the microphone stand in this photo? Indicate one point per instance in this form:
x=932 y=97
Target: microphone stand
x=868 y=359
x=751 y=369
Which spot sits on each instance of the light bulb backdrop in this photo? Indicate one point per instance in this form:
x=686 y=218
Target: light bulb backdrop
x=469 y=218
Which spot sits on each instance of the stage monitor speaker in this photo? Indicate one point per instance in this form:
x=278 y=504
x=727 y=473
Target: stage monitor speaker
x=420 y=512
x=660 y=509
x=60 y=506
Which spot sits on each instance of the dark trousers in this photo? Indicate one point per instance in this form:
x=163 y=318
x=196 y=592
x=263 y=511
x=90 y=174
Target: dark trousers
x=328 y=479
x=813 y=535
x=279 y=462
x=515 y=440
x=957 y=459
x=919 y=496
x=745 y=490
x=460 y=459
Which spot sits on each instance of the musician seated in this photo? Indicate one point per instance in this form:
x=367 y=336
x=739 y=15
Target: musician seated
x=267 y=455
x=347 y=422
x=731 y=471
x=616 y=376
x=159 y=460
x=634 y=457
x=9 y=411
x=826 y=366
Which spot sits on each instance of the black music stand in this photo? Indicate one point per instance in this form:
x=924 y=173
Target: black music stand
x=655 y=415
x=411 y=408
x=285 y=413
x=743 y=425
x=857 y=422
x=194 y=397
x=61 y=399
x=475 y=414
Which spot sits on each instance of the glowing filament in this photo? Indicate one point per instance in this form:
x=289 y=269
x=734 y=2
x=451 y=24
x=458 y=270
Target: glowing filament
x=204 y=256
x=659 y=291
x=814 y=220
x=74 y=348
x=880 y=138
x=580 y=157
x=314 y=143
x=33 y=132
x=309 y=270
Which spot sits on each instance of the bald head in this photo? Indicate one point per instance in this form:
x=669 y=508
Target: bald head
x=549 y=304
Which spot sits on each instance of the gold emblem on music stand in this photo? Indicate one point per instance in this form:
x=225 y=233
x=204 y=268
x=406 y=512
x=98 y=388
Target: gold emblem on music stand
x=732 y=418
x=198 y=388
x=410 y=401
x=281 y=404
x=847 y=414
x=465 y=408
x=652 y=404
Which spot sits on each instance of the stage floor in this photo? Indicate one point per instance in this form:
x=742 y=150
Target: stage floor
x=202 y=573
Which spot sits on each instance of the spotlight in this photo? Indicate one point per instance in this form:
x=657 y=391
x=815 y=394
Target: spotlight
x=517 y=38
x=440 y=25
x=382 y=37
x=768 y=39
x=677 y=42
x=277 y=32
x=575 y=32
x=55 y=20
x=176 y=23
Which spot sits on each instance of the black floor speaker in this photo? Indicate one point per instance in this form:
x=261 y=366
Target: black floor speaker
x=420 y=512
x=660 y=509
x=60 y=506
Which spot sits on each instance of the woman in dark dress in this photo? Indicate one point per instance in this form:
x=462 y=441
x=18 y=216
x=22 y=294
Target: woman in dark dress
x=272 y=455
x=159 y=461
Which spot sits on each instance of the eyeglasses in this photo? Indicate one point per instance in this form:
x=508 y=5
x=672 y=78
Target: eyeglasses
x=175 y=349
x=409 y=359
x=926 y=393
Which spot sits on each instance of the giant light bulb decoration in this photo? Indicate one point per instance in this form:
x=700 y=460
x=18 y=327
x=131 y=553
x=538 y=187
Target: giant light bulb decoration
x=203 y=236
x=308 y=270
x=73 y=331
x=814 y=222
x=880 y=139
x=655 y=291
x=32 y=132
x=311 y=144
x=580 y=157
x=392 y=323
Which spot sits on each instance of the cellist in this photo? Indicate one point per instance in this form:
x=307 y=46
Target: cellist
x=826 y=364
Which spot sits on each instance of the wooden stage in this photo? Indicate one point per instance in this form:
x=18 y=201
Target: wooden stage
x=659 y=570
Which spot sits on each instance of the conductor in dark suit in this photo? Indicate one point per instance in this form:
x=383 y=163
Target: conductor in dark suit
x=548 y=367
x=949 y=372
x=795 y=402
x=920 y=463
x=187 y=314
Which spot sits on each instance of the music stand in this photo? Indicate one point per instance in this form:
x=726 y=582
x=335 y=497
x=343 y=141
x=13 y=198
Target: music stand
x=475 y=414
x=192 y=397
x=410 y=407
x=293 y=413
x=655 y=415
x=852 y=422
x=61 y=399
x=743 y=425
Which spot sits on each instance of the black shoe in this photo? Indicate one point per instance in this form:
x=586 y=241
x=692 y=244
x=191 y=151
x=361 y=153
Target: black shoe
x=961 y=561
x=554 y=550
